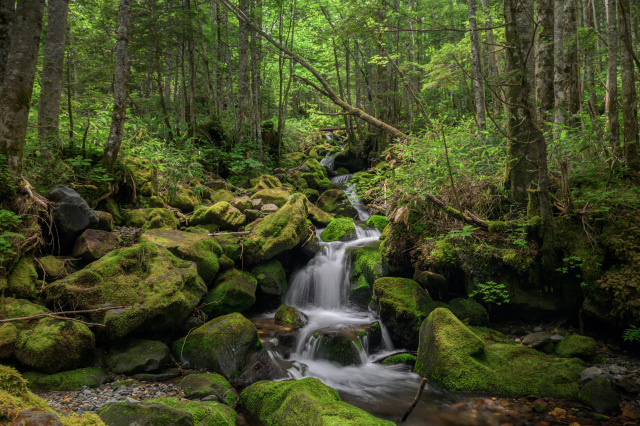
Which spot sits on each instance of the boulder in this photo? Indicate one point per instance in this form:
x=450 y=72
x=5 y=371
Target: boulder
x=317 y=216
x=272 y=282
x=291 y=316
x=336 y=201
x=233 y=291
x=144 y=173
x=341 y=229
x=283 y=230
x=402 y=305
x=105 y=221
x=23 y=279
x=536 y=340
x=277 y=196
x=583 y=347
x=71 y=216
x=222 y=214
x=137 y=356
x=205 y=385
x=253 y=215
x=156 y=202
x=341 y=347
x=231 y=246
x=265 y=182
x=296 y=402
x=366 y=266
x=54 y=345
x=591 y=373
x=600 y=395
x=267 y=209
x=311 y=194
x=199 y=248
x=50 y=268
x=469 y=311
x=224 y=345
x=90 y=377
x=222 y=195
x=144 y=414
x=151 y=219
x=8 y=340
x=378 y=221
x=406 y=359
x=159 y=290
x=183 y=199
x=241 y=203
x=14 y=392
x=457 y=358
x=435 y=284
x=93 y=244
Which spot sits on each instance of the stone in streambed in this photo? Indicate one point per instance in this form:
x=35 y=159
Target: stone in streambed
x=272 y=282
x=138 y=356
x=291 y=316
x=583 y=347
x=336 y=201
x=67 y=380
x=202 y=385
x=341 y=229
x=600 y=395
x=233 y=291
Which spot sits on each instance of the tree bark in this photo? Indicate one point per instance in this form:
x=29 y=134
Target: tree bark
x=256 y=47
x=544 y=62
x=611 y=98
x=7 y=13
x=245 y=106
x=17 y=85
x=627 y=77
x=493 y=65
x=558 y=65
x=52 y=71
x=478 y=80
x=570 y=63
x=119 y=88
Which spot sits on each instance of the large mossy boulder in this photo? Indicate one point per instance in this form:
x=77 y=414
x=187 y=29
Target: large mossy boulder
x=23 y=279
x=202 y=385
x=225 y=345
x=231 y=246
x=144 y=414
x=153 y=218
x=600 y=394
x=222 y=195
x=137 y=356
x=317 y=216
x=402 y=306
x=159 y=291
x=341 y=347
x=51 y=268
x=341 y=229
x=233 y=291
x=90 y=377
x=199 y=248
x=454 y=356
x=272 y=282
x=281 y=231
x=221 y=214
x=54 y=345
x=10 y=332
x=367 y=265
x=378 y=221
x=302 y=402
x=277 y=196
x=469 y=311
x=183 y=198
x=265 y=182
x=336 y=201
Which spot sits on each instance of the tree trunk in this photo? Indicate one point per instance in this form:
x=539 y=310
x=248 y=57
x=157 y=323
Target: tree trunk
x=17 y=85
x=7 y=13
x=245 y=106
x=558 y=65
x=570 y=63
x=627 y=77
x=119 y=88
x=492 y=61
x=478 y=81
x=256 y=47
x=544 y=62
x=611 y=98
x=51 y=89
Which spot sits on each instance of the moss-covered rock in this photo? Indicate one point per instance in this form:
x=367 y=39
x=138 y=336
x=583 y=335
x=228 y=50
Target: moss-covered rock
x=456 y=358
x=224 y=345
x=231 y=246
x=378 y=221
x=583 y=347
x=93 y=244
x=277 y=196
x=272 y=282
x=469 y=311
x=18 y=308
x=297 y=402
x=151 y=219
x=144 y=173
x=367 y=262
x=183 y=198
x=201 y=385
x=278 y=232
x=14 y=393
x=241 y=203
x=221 y=195
x=159 y=290
x=156 y=202
x=205 y=413
x=336 y=201
x=292 y=159
x=105 y=221
x=54 y=345
x=233 y=291
x=199 y=248
x=318 y=217
x=341 y=229
x=341 y=347
x=8 y=340
x=23 y=279
x=222 y=214
x=265 y=182
x=67 y=380
x=291 y=316
x=600 y=394
x=137 y=356
x=341 y=171
x=402 y=306
x=51 y=268
x=311 y=194
x=144 y=414
x=406 y=359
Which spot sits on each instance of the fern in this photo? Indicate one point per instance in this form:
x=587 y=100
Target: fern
x=631 y=334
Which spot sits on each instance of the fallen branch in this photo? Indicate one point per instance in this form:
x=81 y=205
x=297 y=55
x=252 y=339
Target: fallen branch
x=215 y=234
x=415 y=400
x=57 y=315
x=457 y=214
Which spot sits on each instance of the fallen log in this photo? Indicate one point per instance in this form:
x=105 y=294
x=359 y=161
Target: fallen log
x=331 y=129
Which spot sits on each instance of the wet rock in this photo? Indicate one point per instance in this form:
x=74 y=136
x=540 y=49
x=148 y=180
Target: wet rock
x=200 y=386
x=536 y=340
x=291 y=316
x=272 y=283
x=336 y=201
x=138 y=356
x=599 y=394
x=233 y=291
x=342 y=229
x=72 y=215
x=577 y=346
x=93 y=244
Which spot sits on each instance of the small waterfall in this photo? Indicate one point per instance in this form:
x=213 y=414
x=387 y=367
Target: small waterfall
x=352 y=194
x=328 y=161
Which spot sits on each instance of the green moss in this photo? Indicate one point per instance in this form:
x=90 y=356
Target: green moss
x=367 y=262
x=67 y=380
x=361 y=293
x=301 y=184
x=407 y=359
x=144 y=173
x=339 y=229
x=455 y=357
x=340 y=347
x=23 y=279
x=18 y=308
x=52 y=267
x=335 y=201
x=378 y=221
x=233 y=291
x=221 y=214
x=497 y=226
x=205 y=413
x=341 y=171
x=295 y=402
x=291 y=316
x=14 y=392
x=275 y=196
x=443 y=255
x=202 y=385
x=151 y=219
x=183 y=198
x=265 y=182
x=583 y=347
x=317 y=216
x=271 y=277
x=221 y=195
x=311 y=194
x=469 y=311
x=316 y=167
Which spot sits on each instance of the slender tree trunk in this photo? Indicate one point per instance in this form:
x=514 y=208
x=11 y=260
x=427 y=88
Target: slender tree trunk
x=558 y=65
x=589 y=65
x=544 y=62
x=191 y=101
x=478 y=81
x=611 y=99
x=627 y=77
x=120 y=88
x=17 y=85
x=570 y=62
x=52 y=71
x=163 y=104
x=256 y=46
x=245 y=105
x=493 y=60
x=7 y=13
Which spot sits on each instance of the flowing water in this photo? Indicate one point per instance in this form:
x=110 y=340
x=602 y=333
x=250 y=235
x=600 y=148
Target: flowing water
x=320 y=290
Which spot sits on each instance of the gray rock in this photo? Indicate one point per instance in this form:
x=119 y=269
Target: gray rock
x=537 y=329
x=93 y=244
x=616 y=369
x=556 y=338
x=252 y=214
x=269 y=209
x=138 y=356
x=536 y=340
x=72 y=215
x=592 y=373
x=169 y=374
x=600 y=395
x=257 y=203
